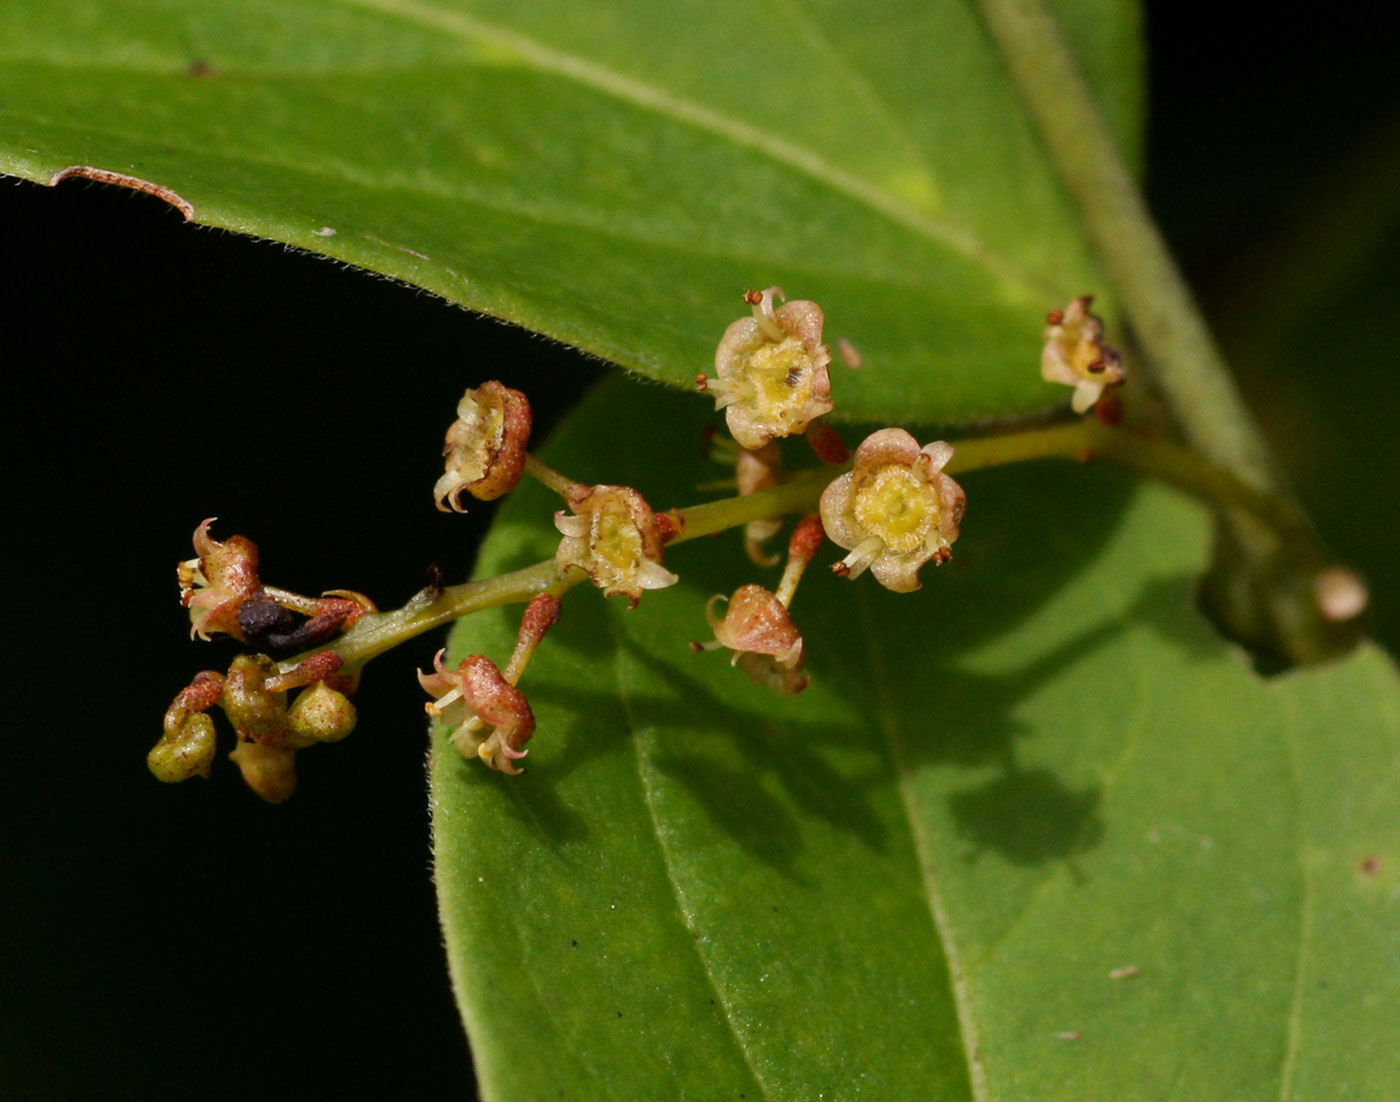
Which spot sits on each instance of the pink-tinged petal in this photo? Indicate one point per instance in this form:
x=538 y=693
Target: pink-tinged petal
x=898 y=575
x=885 y=447
x=835 y=509
x=939 y=453
x=1086 y=393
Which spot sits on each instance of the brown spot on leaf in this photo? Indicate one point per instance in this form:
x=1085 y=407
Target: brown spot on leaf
x=135 y=183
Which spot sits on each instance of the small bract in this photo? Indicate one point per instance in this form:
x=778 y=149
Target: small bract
x=895 y=510
x=1076 y=356
x=772 y=370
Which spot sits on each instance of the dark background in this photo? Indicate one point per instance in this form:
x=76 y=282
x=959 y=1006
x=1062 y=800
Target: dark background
x=170 y=941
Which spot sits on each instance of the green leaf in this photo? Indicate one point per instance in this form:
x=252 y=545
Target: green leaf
x=612 y=175
x=918 y=878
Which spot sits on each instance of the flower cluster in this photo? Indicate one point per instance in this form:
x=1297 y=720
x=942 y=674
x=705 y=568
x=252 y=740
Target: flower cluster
x=224 y=594
x=253 y=695
x=893 y=507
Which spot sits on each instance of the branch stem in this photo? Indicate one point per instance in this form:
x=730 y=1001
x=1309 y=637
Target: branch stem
x=1160 y=307
x=1081 y=440
x=1259 y=586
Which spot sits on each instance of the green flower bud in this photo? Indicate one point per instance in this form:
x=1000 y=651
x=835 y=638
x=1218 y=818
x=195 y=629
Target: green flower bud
x=184 y=751
x=320 y=714
x=270 y=771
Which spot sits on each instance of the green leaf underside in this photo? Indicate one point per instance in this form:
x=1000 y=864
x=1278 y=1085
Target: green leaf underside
x=612 y=175
x=915 y=879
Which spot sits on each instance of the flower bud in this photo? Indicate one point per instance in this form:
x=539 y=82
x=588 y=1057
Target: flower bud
x=485 y=446
x=257 y=713
x=270 y=771
x=320 y=714
x=188 y=744
x=186 y=752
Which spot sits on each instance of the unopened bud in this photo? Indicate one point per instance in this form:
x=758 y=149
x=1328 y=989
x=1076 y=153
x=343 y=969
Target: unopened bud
x=257 y=713
x=321 y=714
x=270 y=771
x=185 y=753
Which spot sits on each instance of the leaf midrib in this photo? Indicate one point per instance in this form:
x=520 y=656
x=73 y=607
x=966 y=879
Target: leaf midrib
x=939 y=917
x=634 y=730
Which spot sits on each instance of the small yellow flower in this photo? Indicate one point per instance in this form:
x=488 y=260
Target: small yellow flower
x=772 y=370
x=1076 y=356
x=613 y=535
x=895 y=510
x=485 y=446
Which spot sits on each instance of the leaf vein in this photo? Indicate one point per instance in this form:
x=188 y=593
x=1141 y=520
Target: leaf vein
x=1294 y=1026
x=637 y=730
x=938 y=911
x=548 y=59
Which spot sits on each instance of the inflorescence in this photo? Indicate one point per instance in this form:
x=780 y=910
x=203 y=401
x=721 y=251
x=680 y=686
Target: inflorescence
x=892 y=506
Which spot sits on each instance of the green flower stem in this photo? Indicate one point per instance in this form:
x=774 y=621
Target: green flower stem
x=377 y=632
x=798 y=495
x=1079 y=441
x=1258 y=586
x=542 y=472
x=1164 y=316
x=1089 y=439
